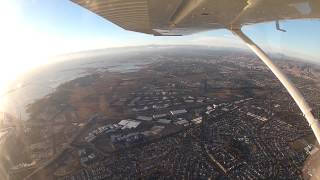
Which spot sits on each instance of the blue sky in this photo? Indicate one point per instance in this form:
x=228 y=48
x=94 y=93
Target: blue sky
x=33 y=30
x=62 y=20
x=65 y=20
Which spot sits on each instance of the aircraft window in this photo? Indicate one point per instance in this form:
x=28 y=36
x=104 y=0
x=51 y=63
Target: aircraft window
x=141 y=90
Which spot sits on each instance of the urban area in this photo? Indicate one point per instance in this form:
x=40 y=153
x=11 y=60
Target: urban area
x=179 y=117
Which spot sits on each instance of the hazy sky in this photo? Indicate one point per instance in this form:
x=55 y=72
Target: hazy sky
x=32 y=30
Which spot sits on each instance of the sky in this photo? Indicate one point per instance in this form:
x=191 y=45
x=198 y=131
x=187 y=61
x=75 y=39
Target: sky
x=34 y=30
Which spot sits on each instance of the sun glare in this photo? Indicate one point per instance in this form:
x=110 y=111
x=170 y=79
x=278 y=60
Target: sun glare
x=8 y=18
x=11 y=56
x=21 y=48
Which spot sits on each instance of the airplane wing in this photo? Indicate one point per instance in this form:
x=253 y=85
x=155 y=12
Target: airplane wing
x=183 y=17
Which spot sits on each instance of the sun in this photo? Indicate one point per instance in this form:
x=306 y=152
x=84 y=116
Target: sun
x=10 y=55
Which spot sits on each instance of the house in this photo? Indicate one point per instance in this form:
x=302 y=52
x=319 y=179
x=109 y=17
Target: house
x=178 y=112
x=157 y=116
x=144 y=118
x=164 y=121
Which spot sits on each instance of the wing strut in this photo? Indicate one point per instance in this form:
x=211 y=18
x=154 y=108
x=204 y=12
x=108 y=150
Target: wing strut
x=293 y=91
